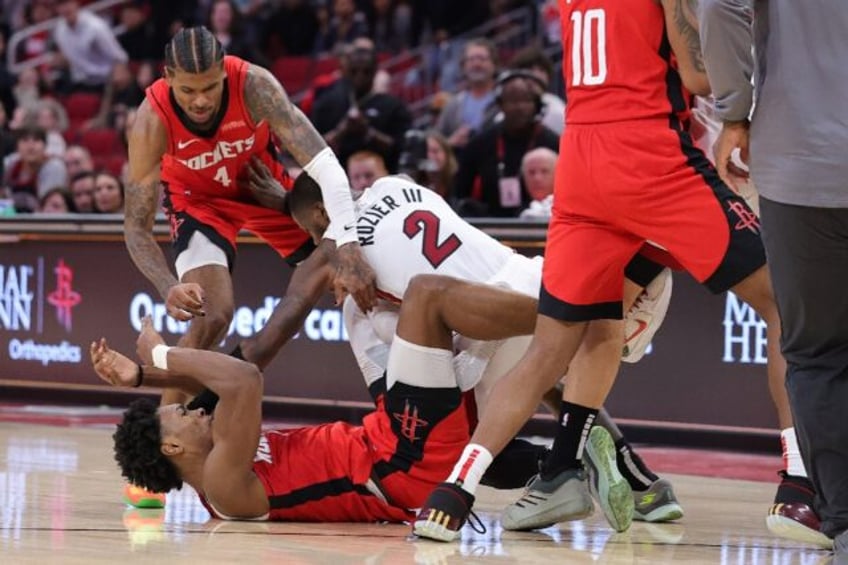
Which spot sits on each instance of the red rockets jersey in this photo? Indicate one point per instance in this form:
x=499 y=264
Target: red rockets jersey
x=617 y=62
x=201 y=167
x=320 y=474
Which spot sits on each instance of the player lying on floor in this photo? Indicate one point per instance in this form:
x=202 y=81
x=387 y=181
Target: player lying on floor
x=379 y=471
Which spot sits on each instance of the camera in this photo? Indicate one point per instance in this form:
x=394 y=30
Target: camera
x=413 y=158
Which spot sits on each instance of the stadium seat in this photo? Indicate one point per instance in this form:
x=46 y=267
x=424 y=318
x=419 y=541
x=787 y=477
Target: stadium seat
x=82 y=106
x=101 y=142
x=293 y=72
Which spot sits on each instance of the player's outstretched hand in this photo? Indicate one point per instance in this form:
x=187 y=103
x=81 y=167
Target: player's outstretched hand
x=148 y=338
x=355 y=276
x=733 y=135
x=111 y=366
x=185 y=301
x=263 y=186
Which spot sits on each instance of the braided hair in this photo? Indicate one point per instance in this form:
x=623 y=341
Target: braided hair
x=193 y=50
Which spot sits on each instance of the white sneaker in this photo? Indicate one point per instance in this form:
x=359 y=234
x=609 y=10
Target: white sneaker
x=646 y=316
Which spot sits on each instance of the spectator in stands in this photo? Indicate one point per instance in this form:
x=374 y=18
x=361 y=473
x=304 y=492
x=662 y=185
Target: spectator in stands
x=52 y=118
x=363 y=168
x=108 y=194
x=390 y=25
x=471 y=108
x=56 y=201
x=534 y=60
x=382 y=79
x=82 y=191
x=292 y=29
x=138 y=38
x=225 y=22
x=122 y=93
x=443 y=166
x=30 y=172
x=447 y=41
x=488 y=182
x=537 y=170
x=346 y=24
x=77 y=159
x=27 y=90
x=429 y=159
x=37 y=44
x=352 y=117
x=87 y=45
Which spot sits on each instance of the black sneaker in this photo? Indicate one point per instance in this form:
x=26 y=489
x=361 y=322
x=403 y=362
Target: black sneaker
x=444 y=513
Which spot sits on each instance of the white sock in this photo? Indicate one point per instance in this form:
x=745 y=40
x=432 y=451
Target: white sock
x=470 y=468
x=792 y=461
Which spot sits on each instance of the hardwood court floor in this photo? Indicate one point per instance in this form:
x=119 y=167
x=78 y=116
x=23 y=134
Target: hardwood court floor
x=60 y=503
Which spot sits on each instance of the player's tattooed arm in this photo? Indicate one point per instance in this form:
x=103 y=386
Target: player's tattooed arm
x=147 y=140
x=686 y=20
x=681 y=18
x=147 y=144
x=267 y=100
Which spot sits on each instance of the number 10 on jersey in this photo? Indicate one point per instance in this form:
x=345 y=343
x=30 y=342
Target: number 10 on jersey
x=588 y=47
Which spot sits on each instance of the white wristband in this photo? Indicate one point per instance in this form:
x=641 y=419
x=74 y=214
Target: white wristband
x=160 y=356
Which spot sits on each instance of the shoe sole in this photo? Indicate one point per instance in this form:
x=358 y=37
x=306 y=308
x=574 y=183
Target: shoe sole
x=665 y=513
x=560 y=513
x=788 y=528
x=614 y=494
x=431 y=529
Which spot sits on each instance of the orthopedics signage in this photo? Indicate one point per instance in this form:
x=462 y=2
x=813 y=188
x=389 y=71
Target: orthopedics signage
x=706 y=366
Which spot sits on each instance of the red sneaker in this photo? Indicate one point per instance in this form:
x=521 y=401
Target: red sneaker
x=792 y=515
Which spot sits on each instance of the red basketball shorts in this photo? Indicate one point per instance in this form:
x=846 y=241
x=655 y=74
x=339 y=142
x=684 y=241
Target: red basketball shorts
x=221 y=220
x=619 y=186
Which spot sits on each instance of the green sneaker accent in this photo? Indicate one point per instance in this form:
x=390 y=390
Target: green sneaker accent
x=610 y=489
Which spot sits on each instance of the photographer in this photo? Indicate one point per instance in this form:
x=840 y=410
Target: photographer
x=429 y=159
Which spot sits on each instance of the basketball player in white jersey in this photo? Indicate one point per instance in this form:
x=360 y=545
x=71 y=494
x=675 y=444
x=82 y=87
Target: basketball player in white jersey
x=406 y=230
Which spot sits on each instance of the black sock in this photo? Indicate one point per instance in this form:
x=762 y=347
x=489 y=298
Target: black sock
x=631 y=466
x=516 y=464
x=573 y=429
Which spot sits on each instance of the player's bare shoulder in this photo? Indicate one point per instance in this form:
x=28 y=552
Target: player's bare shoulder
x=262 y=92
x=148 y=137
x=266 y=100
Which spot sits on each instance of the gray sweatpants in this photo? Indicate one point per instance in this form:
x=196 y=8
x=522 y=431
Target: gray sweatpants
x=807 y=251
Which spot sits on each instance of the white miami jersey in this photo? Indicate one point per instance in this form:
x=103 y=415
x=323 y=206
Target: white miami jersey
x=405 y=229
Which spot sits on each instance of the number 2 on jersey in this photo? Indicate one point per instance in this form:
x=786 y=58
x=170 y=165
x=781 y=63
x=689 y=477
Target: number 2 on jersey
x=588 y=40
x=429 y=223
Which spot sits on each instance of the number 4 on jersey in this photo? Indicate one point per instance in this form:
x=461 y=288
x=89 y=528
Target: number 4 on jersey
x=428 y=222
x=222 y=176
x=588 y=47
